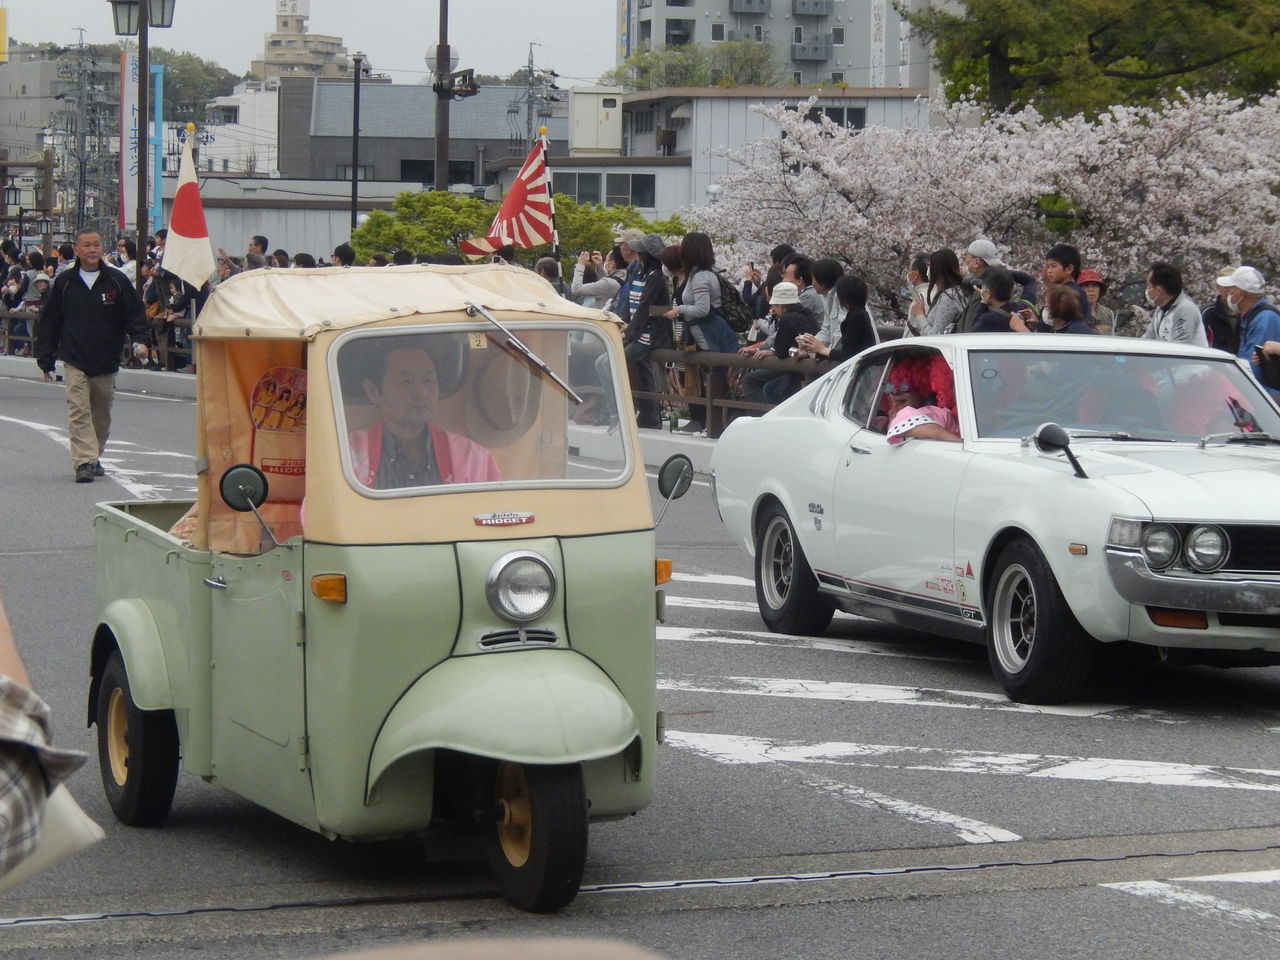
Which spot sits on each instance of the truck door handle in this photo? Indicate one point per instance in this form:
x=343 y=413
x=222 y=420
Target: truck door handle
x=216 y=583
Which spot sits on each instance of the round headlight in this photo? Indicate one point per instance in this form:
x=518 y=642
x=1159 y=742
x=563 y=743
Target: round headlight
x=1159 y=545
x=521 y=587
x=1206 y=548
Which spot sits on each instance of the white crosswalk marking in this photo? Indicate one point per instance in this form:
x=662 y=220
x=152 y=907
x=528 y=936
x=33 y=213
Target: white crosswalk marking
x=1202 y=904
x=903 y=696
x=731 y=749
x=869 y=648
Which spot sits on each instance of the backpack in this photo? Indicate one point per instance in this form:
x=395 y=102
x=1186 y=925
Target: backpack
x=733 y=308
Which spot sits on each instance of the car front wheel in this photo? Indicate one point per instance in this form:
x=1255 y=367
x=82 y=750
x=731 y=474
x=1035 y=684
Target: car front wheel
x=786 y=589
x=1038 y=651
x=538 y=846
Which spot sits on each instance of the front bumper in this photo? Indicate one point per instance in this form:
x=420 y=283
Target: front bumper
x=1242 y=610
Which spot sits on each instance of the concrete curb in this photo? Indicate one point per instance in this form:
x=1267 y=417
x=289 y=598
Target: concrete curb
x=658 y=444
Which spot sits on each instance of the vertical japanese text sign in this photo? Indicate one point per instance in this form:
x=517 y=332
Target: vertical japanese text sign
x=130 y=130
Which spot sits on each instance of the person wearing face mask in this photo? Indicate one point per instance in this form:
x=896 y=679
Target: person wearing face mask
x=1259 y=321
x=1176 y=318
x=1222 y=326
x=1000 y=312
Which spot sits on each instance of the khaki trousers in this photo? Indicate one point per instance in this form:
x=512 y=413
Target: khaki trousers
x=88 y=413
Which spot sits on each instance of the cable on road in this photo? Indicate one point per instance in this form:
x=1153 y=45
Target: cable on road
x=633 y=887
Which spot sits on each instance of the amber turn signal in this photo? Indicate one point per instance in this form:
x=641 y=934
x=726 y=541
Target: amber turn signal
x=1186 y=619
x=661 y=571
x=330 y=586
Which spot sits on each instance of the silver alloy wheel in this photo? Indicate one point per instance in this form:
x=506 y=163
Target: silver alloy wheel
x=777 y=561
x=1014 y=618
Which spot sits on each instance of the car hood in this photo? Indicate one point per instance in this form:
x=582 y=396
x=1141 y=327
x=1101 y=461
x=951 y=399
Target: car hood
x=1223 y=483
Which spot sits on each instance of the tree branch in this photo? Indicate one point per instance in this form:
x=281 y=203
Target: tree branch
x=1178 y=71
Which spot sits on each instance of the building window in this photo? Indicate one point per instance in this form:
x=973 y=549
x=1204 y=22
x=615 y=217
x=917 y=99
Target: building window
x=642 y=121
x=757 y=33
x=717 y=32
x=620 y=189
x=855 y=118
x=365 y=173
x=226 y=166
x=797 y=34
x=417 y=171
x=837 y=36
x=679 y=33
x=462 y=171
x=837 y=78
x=796 y=79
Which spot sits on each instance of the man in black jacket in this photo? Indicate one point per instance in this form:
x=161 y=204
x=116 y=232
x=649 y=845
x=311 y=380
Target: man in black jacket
x=85 y=319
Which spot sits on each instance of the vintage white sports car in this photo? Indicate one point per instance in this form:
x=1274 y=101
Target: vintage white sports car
x=1037 y=493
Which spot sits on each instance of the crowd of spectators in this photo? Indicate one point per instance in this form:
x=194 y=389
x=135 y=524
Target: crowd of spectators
x=670 y=295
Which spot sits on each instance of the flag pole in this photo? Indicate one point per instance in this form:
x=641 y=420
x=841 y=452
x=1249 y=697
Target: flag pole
x=551 y=197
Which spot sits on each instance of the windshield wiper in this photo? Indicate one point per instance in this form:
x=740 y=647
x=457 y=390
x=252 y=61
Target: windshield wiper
x=1117 y=435
x=522 y=348
x=1238 y=438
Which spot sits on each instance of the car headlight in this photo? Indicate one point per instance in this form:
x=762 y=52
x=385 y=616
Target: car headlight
x=1206 y=548
x=1159 y=545
x=520 y=586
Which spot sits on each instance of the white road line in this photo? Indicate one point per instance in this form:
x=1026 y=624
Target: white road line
x=829 y=644
x=967 y=829
x=140 y=491
x=903 y=696
x=732 y=749
x=1209 y=907
x=708 y=603
x=738 y=750
x=722 y=579
x=1252 y=876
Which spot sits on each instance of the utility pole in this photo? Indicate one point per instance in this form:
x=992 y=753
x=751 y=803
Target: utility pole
x=358 y=61
x=442 y=86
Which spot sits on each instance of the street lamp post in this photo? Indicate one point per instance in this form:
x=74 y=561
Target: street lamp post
x=134 y=17
x=358 y=61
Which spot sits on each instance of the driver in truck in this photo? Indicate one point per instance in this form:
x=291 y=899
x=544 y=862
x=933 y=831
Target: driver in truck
x=406 y=448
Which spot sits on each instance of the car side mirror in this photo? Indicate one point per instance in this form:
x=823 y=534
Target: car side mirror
x=674 y=479
x=1052 y=438
x=243 y=488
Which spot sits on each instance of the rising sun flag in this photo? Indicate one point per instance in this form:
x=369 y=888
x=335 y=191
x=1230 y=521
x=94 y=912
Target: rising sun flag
x=527 y=217
x=187 y=251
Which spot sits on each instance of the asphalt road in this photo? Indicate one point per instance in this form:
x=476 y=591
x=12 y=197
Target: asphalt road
x=869 y=793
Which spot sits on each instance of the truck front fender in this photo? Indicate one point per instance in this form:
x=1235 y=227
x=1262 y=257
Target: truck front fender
x=535 y=706
x=129 y=625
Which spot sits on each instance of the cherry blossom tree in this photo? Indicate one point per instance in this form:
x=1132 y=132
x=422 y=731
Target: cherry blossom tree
x=1193 y=180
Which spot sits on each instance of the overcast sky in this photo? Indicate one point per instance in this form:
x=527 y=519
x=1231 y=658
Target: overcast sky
x=577 y=37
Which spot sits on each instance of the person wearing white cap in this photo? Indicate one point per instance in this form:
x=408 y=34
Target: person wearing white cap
x=794 y=318
x=1259 y=321
x=982 y=253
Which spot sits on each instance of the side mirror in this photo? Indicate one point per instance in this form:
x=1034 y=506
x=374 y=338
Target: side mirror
x=675 y=476
x=674 y=479
x=243 y=487
x=1052 y=438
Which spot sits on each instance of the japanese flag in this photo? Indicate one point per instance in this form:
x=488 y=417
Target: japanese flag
x=187 y=251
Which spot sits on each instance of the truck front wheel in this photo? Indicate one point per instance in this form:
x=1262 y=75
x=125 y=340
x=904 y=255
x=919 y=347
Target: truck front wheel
x=137 y=751
x=538 y=847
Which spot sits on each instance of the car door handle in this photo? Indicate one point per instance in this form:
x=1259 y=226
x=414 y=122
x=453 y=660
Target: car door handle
x=216 y=583
x=862 y=450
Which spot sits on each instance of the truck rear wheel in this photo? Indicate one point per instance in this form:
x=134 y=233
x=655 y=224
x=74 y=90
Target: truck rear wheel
x=538 y=847
x=137 y=751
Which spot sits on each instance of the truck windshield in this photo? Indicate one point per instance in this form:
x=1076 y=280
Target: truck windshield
x=1116 y=395
x=440 y=407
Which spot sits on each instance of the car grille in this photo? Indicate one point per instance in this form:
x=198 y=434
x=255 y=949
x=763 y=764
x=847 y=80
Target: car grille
x=519 y=636
x=1254 y=548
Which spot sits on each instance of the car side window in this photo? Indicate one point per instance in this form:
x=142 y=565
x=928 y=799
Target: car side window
x=864 y=391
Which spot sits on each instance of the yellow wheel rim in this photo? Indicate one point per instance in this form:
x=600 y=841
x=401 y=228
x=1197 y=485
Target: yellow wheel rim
x=515 y=821
x=118 y=736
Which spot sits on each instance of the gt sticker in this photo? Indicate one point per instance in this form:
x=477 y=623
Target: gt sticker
x=502 y=519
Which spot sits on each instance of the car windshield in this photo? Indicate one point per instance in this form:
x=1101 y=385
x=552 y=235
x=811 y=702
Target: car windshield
x=1116 y=395
x=460 y=405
